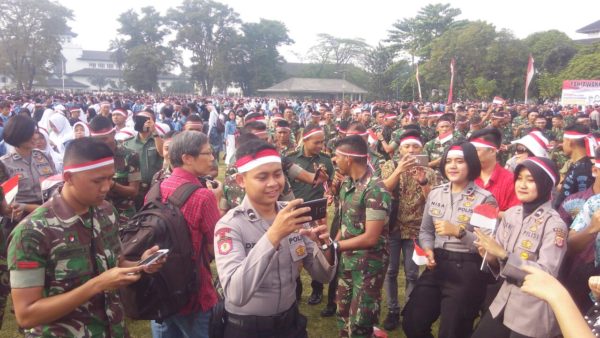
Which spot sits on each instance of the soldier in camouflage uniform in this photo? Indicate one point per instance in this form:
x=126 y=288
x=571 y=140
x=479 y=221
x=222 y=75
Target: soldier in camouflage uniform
x=64 y=257
x=375 y=159
x=342 y=128
x=364 y=204
x=4 y=277
x=435 y=148
x=127 y=178
x=329 y=126
x=557 y=128
x=283 y=142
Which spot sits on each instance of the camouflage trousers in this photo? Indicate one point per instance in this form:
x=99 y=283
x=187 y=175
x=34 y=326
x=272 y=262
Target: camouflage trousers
x=359 y=299
x=4 y=275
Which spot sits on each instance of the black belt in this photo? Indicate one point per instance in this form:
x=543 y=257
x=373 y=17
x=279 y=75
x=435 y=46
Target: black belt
x=281 y=321
x=442 y=254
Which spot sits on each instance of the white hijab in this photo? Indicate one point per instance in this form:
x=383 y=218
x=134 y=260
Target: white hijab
x=50 y=153
x=65 y=132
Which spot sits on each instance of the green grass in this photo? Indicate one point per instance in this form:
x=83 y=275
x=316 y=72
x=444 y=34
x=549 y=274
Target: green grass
x=318 y=327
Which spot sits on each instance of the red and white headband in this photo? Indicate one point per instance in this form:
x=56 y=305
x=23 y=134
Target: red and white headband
x=249 y=162
x=75 y=168
x=597 y=163
x=544 y=167
x=481 y=143
x=344 y=153
x=120 y=112
x=410 y=140
x=102 y=132
x=311 y=133
x=283 y=129
x=390 y=117
x=573 y=135
x=194 y=124
x=456 y=151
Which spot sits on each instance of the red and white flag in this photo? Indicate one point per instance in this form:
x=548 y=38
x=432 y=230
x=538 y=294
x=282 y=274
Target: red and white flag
x=452 y=64
x=10 y=188
x=498 y=100
x=419 y=256
x=443 y=138
x=419 y=84
x=485 y=216
x=530 y=71
x=49 y=182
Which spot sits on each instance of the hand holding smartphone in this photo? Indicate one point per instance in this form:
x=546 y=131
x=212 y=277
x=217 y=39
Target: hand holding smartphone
x=153 y=258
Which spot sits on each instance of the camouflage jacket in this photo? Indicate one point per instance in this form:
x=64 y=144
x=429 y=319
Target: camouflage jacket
x=363 y=200
x=58 y=250
x=434 y=149
x=127 y=170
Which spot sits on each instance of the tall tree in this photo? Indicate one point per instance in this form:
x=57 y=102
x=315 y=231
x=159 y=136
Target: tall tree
x=30 y=35
x=338 y=51
x=415 y=35
x=378 y=63
x=141 y=40
x=205 y=28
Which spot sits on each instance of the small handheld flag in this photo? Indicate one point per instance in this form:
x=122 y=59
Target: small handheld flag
x=419 y=256
x=484 y=216
x=10 y=188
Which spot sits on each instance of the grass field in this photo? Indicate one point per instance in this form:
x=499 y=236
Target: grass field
x=318 y=327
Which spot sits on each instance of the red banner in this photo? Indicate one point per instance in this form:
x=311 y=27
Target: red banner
x=452 y=64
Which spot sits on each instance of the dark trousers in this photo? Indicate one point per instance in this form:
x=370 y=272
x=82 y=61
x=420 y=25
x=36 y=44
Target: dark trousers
x=259 y=326
x=490 y=327
x=452 y=291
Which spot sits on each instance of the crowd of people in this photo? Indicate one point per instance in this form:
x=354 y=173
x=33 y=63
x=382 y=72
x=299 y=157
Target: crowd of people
x=403 y=182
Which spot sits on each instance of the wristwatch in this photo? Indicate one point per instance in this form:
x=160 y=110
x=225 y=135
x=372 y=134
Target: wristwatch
x=462 y=232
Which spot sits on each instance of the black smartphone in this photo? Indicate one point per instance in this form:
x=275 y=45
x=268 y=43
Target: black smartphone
x=139 y=122
x=318 y=208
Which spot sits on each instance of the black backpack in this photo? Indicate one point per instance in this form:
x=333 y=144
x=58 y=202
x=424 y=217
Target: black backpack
x=158 y=296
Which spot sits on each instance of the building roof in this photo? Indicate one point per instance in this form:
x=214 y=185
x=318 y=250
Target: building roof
x=590 y=41
x=590 y=29
x=96 y=55
x=115 y=73
x=312 y=85
x=97 y=72
x=57 y=83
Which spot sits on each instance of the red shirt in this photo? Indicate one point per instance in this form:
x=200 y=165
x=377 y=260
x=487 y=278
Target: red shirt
x=502 y=185
x=202 y=213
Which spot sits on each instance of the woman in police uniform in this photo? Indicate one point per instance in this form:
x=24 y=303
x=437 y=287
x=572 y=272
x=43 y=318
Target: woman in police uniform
x=30 y=164
x=453 y=287
x=530 y=234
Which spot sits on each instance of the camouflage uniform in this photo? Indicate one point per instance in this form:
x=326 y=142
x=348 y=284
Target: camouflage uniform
x=285 y=150
x=558 y=134
x=507 y=137
x=330 y=131
x=127 y=170
x=331 y=145
x=54 y=248
x=376 y=160
x=427 y=133
x=362 y=271
x=434 y=149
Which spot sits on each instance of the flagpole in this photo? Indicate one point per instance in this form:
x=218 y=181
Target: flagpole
x=450 y=91
x=419 y=84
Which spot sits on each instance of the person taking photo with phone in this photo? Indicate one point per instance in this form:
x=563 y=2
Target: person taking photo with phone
x=260 y=246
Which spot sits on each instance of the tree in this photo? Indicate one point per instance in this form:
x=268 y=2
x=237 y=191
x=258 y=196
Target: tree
x=339 y=51
x=258 y=63
x=205 y=28
x=378 y=63
x=30 y=35
x=552 y=50
x=584 y=65
x=142 y=43
x=415 y=35
x=99 y=81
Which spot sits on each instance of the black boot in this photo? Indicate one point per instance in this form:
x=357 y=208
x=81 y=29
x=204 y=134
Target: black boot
x=329 y=310
x=392 y=320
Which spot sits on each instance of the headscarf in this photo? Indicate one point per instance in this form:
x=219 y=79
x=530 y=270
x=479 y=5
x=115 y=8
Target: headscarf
x=45 y=118
x=65 y=131
x=56 y=157
x=86 y=129
x=545 y=175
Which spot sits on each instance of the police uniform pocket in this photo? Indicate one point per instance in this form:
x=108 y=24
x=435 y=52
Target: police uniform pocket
x=527 y=249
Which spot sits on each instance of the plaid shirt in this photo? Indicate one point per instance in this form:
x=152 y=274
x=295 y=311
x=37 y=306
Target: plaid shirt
x=202 y=213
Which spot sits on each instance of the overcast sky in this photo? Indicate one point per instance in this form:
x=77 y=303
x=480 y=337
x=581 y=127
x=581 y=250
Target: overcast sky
x=95 y=21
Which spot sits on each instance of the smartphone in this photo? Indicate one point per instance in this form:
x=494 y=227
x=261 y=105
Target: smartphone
x=422 y=160
x=318 y=208
x=154 y=257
